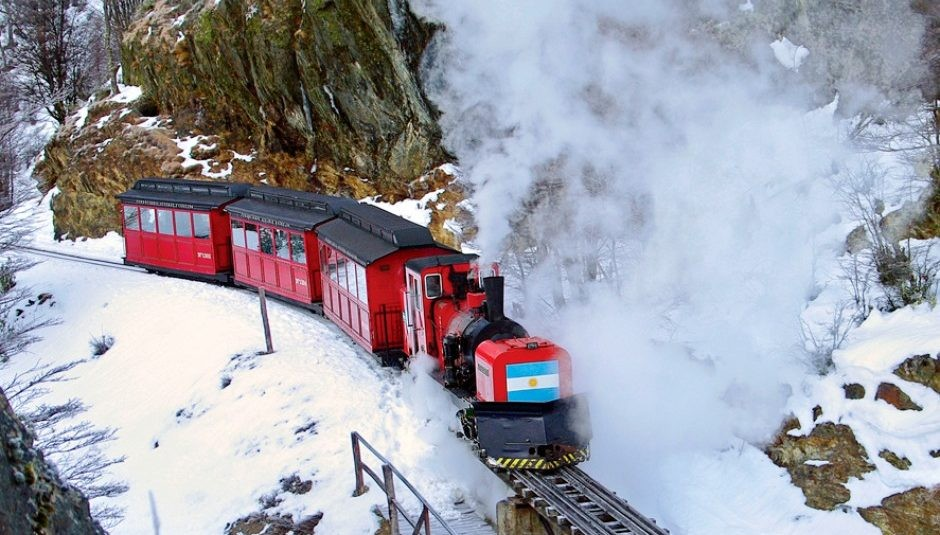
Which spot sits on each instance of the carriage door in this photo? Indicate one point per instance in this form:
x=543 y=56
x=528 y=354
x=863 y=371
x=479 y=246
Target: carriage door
x=414 y=315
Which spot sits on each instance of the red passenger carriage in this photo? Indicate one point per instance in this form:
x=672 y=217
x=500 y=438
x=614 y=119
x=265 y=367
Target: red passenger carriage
x=179 y=226
x=362 y=258
x=274 y=245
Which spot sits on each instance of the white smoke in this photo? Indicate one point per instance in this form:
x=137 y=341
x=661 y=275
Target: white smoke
x=698 y=177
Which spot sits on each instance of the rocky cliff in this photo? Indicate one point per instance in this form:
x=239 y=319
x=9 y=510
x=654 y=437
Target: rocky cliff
x=316 y=95
x=32 y=497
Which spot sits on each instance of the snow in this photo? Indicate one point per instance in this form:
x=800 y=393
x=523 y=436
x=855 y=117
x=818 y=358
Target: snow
x=414 y=210
x=186 y=146
x=204 y=454
x=127 y=93
x=788 y=54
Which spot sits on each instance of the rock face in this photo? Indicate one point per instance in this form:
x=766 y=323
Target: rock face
x=822 y=462
x=311 y=95
x=915 y=512
x=335 y=80
x=32 y=497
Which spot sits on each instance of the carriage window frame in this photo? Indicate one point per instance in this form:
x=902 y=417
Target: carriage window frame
x=251 y=236
x=266 y=240
x=298 y=249
x=148 y=224
x=183 y=222
x=201 y=226
x=165 y=222
x=238 y=234
x=131 y=218
x=282 y=244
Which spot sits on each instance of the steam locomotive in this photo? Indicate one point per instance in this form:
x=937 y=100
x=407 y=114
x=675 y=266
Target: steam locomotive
x=385 y=282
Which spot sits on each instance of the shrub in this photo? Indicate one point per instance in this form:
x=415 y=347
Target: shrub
x=101 y=344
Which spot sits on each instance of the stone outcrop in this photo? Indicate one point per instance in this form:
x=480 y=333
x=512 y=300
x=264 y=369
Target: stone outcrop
x=895 y=460
x=32 y=497
x=894 y=396
x=310 y=95
x=335 y=80
x=822 y=462
x=273 y=524
x=921 y=369
x=915 y=512
x=854 y=391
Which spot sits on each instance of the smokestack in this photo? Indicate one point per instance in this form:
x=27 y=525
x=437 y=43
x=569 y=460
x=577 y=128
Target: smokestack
x=493 y=288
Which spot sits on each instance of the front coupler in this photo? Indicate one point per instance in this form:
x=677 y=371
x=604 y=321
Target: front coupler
x=540 y=436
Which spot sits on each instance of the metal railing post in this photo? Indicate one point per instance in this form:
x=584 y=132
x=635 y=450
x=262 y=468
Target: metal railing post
x=361 y=487
x=387 y=483
x=424 y=521
x=392 y=506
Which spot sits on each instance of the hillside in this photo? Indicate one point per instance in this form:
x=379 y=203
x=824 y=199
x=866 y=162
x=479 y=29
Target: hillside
x=321 y=96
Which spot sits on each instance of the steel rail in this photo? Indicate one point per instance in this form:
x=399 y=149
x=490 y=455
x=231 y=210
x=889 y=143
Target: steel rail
x=579 y=504
x=77 y=258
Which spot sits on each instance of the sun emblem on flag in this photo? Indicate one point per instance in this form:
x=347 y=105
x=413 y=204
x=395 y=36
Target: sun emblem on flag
x=533 y=382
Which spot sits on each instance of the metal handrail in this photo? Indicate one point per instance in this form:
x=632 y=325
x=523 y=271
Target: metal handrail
x=387 y=484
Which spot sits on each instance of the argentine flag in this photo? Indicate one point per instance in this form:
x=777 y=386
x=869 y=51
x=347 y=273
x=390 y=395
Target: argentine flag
x=533 y=381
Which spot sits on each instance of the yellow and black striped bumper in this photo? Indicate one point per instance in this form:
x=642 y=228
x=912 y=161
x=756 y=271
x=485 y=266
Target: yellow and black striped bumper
x=508 y=463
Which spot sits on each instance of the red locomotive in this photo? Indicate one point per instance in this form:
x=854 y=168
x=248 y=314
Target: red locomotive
x=386 y=283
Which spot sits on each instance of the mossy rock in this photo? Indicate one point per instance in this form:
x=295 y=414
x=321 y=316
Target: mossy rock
x=921 y=369
x=901 y=463
x=914 y=512
x=840 y=458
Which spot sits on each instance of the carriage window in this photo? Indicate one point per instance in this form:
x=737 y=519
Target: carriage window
x=361 y=284
x=148 y=220
x=281 y=244
x=432 y=286
x=201 y=225
x=341 y=272
x=131 y=218
x=332 y=265
x=165 y=222
x=351 y=277
x=251 y=236
x=298 y=254
x=267 y=241
x=184 y=225
x=238 y=234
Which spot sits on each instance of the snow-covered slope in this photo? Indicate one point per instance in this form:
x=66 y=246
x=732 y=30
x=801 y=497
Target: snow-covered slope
x=209 y=426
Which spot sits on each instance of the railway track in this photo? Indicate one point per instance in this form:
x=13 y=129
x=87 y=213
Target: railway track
x=578 y=504
x=76 y=258
x=567 y=497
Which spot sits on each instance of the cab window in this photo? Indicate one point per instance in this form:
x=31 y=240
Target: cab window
x=432 y=286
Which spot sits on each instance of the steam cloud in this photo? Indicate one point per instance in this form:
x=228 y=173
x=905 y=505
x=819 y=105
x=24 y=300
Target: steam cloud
x=692 y=177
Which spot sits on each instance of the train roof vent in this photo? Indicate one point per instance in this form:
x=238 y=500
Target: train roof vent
x=300 y=200
x=387 y=226
x=190 y=187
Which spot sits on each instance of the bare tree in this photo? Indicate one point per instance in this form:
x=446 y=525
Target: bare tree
x=58 y=52
x=74 y=447
x=118 y=15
